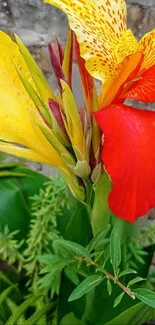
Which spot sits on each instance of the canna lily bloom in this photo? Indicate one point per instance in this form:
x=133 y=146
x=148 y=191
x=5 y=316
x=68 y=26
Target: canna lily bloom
x=28 y=128
x=126 y=69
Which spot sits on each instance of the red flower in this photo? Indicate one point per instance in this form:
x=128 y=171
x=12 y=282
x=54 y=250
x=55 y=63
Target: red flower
x=129 y=148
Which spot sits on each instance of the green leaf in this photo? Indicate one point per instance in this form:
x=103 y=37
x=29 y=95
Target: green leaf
x=15 y=193
x=6 y=292
x=85 y=286
x=70 y=319
x=118 y=299
x=33 y=320
x=125 y=272
x=73 y=247
x=136 y=315
x=99 y=237
x=57 y=265
x=109 y=287
x=106 y=254
x=115 y=250
x=18 y=311
x=72 y=275
x=4 y=278
x=145 y=295
x=135 y=280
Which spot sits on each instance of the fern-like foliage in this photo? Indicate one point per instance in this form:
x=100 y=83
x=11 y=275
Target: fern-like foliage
x=46 y=206
x=9 y=248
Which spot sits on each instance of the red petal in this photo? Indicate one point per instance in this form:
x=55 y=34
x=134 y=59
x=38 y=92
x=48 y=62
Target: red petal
x=60 y=50
x=129 y=159
x=144 y=88
x=86 y=79
x=58 y=71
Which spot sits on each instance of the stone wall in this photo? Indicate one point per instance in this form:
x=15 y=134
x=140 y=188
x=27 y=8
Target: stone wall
x=37 y=24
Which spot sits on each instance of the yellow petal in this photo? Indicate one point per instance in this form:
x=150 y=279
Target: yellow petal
x=16 y=105
x=126 y=46
x=98 y=26
x=147 y=44
x=73 y=121
x=40 y=81
x=22 y=152
x=32 y=155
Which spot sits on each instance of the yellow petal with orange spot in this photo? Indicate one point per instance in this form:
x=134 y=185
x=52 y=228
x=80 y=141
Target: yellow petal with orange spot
x=147 y=44
x=126 y=46
x=98 y=26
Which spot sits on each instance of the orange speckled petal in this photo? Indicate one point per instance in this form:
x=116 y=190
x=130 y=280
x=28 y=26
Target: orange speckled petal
x=126 y=46
x=147 y=44
x=98 y=25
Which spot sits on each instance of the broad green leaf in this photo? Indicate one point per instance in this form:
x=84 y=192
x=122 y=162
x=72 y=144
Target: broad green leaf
x=15 y=193
x=145 y=295
x=115 y=250
x=85 y=286
x=125 y=272
x=136 y=315
x=70 y=319
x=73 y=247
x=118 y=299
x=135 y=280
x=109 y=287
x=99 y=237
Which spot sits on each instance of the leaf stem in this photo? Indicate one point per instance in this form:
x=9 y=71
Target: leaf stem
x=108 y=275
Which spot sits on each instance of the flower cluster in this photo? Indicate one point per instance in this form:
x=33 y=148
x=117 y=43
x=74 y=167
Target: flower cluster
x=52 y=129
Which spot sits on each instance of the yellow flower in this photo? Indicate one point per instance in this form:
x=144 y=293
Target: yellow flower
x=22 y=130
x=110 y=50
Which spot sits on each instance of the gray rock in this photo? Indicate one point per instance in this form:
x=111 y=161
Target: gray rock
x=144 y=3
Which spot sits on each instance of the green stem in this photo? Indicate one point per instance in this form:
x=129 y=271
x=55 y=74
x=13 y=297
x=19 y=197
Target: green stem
x=101 y=214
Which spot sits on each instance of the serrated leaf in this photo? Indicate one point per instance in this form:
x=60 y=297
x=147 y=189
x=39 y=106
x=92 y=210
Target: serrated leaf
x=99 y=237
x=73 y=247
x=125 y=272
x=115 y=250
x=85 y=286
x=135 y=280
x=118 y=299
x=109 y=287
x=145 y=295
